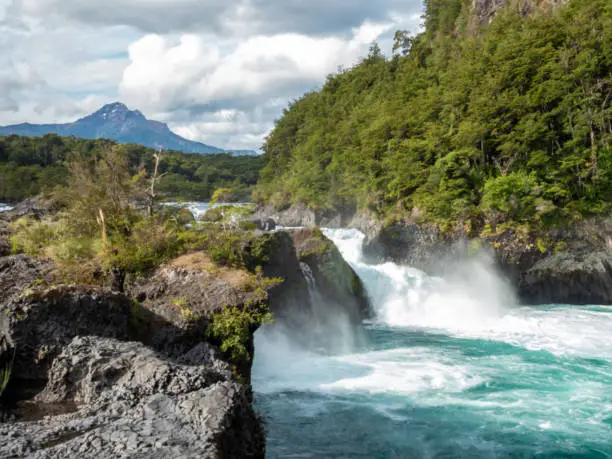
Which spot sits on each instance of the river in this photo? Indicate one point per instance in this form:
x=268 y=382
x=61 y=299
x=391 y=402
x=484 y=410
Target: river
x=451 y=368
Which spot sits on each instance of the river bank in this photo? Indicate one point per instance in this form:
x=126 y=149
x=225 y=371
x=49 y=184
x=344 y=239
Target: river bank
x=569 y=264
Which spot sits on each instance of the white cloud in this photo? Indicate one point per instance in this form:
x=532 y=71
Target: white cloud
x=229 y=89
x=163 y=73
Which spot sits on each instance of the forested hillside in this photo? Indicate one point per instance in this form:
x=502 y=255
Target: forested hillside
x=30 y=165
x=510 y=122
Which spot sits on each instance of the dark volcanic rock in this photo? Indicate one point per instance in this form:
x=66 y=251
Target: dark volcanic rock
x=42 y=321
x=301 y=216
x=569 y=278
x=421 y=246
x=185 y=293
x=282 y=262
x=169 y=395
x=133 y=403
x=18 y=272
x=263 y=224
x=35 y=207
x=335 y=280
x=294 y=216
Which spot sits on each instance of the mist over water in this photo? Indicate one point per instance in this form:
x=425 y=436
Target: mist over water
x=448 y=367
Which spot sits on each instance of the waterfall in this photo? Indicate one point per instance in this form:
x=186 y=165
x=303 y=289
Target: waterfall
x=472 y=293
x=308 y=276
x=449 y=367
x=329 y=328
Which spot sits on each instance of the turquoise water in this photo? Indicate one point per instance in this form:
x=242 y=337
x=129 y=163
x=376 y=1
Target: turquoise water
x=446 y=369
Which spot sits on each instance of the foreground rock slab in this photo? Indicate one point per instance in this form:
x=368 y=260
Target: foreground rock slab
x=133 y=403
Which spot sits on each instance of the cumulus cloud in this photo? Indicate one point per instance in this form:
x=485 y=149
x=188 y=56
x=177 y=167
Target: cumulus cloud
x=218 y=71
x=165 y=74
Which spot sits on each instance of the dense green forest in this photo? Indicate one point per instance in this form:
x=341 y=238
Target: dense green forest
x=31 y=165
x=509 y=122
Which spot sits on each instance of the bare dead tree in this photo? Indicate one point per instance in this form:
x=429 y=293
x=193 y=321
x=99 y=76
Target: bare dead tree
x=155 y=178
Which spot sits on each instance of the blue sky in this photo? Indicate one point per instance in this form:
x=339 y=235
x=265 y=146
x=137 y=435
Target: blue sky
x=217 y=71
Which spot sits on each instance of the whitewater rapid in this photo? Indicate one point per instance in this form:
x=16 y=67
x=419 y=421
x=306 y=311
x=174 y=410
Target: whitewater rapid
x=451 y=367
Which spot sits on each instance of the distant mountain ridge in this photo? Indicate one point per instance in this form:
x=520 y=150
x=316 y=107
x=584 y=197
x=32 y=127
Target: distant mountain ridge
x=117 y=122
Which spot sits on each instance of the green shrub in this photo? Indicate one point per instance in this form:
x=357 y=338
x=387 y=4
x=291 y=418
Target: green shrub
x=233 y=325
x=513 y=194
x=31 y=236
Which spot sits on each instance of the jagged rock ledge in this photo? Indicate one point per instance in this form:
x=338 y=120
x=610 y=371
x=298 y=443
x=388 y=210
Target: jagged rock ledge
x=99 y=373
x=570 y=265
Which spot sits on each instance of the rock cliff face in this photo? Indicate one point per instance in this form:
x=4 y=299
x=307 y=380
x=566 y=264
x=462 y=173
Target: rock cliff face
x=483 y=11
x=572 y=265
x=336 y=281
x=131 y=402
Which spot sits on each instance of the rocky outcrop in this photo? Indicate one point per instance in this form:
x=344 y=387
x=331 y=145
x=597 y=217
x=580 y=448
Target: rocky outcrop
x=565 y=265
x=35 y=207
x=186 y=293
x=337 y=285
x=567 y=277
x=419 y=245
x=131 y=402
x=41 y=322
x=299 y=215
x=483 y=11
x=335 y=280
x=138 y=379
x=281 y=262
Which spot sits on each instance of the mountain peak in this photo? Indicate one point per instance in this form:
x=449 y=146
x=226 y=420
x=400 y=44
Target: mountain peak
x=116 y=111
x=117 y=122
x=114 y=107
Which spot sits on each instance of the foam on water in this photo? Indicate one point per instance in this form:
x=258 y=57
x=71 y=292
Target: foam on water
x=455 y=361
x=475 y=303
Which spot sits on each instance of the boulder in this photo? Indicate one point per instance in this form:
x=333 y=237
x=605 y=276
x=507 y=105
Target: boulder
x=421 y=246
x=281 y=261
x=569 y=278
x=294 y=216
x=299 y=215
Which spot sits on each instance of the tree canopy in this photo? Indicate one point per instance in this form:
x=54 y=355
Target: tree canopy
x=31 y=165
x=512 y=122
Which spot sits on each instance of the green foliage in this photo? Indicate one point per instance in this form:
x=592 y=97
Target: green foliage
x=31 y=236
x=514 y=122
x=7 y=356
x=222 y=195
x=33 y=165
x=233 y=325
x=104 y=234
x=513 y=194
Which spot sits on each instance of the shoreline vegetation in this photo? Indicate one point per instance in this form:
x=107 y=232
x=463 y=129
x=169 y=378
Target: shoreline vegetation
x=106 y=228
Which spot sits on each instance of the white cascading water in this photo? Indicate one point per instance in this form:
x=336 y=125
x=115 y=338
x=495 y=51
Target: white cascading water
x=472 y=302
x=486 y=377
